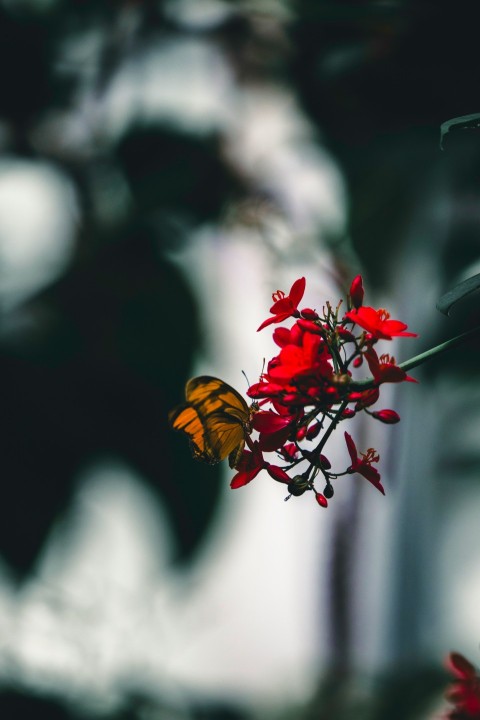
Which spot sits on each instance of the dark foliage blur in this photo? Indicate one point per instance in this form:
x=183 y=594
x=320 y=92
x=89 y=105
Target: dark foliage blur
x=109 y=344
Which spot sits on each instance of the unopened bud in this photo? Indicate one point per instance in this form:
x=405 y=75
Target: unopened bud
x=357 y=292
x=314 y=430
x=328 y=491
x=309 y=314
x=309 y=326
x=298 y=485
x=389 y=417
x=301 y=433
x=321 y=500
x=325 y=462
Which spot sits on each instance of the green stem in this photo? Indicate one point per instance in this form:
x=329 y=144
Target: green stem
x=423 y=357
x=453 y=342
x=331 y=427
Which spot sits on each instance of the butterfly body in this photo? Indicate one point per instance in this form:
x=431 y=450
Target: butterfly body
x=216 y=419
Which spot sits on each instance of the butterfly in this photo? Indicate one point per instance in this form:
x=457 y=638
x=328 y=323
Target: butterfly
x=215 y=417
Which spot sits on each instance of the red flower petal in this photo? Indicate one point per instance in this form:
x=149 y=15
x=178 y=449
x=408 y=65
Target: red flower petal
x=269 y=422
x=278 y=474
x=243 y=478
x=273 y=441
x=371 y=474
x=284 y=305
x=274 y=319
x=262 y=390
x=282 y=337
x=351 y=447
x=297 y=291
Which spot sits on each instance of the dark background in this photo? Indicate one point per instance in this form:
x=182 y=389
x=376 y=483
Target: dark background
x=109 y=342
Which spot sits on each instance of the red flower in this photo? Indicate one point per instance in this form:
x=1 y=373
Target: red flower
x=384 y=368
x=309 y=358
x=251 y=463
x=464 y=693
x=284 y=306
x=378 y=323
x=356 y=291
x=283 y=336
x=274 y=429
x=248 y=467
x=363 y=464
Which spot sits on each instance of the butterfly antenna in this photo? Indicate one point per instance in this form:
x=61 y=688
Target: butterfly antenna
x=246 y=378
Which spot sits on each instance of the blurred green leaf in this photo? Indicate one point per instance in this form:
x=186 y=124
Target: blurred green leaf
x=464 y=288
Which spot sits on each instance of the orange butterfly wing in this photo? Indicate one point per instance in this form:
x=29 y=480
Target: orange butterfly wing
x=215 y=417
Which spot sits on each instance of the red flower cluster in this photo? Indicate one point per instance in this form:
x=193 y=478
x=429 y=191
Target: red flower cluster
x=308 y=388
x=464 y=692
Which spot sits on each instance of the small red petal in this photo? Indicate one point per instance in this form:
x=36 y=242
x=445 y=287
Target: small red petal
x=282 y=337
x=262 y=390
x=242 y=478
x=278 y=474
x=351 y=447
x=309 y=326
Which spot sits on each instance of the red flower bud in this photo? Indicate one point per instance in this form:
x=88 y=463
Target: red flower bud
x=345 y=334
x=389 y=417
x=357 y=292
x=301 y=433
x=321 y=499
x=328 y=491
x=309 y=314
x=314 y=430
x=358 y=361
x=325 y=462
x=309 y=326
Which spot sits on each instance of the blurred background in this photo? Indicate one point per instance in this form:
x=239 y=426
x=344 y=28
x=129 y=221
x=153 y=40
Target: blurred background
x=164 y=167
